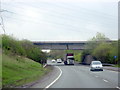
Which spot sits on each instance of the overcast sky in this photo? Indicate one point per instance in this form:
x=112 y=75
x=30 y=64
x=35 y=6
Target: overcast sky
x=60 y=20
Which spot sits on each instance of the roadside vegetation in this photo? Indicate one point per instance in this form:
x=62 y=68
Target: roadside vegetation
x=55 y=54
x=0 y=62
x=0 y=69
x=99 y=47
x=102 y=49
x=22 y=62
x=19 y=70
x=25 y=48
x=77 y=54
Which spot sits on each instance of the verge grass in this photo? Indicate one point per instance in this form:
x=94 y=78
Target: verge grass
x=0 y=70
x=17 y=71
x=117 y=66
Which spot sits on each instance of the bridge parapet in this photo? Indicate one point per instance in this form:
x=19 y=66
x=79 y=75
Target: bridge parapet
x=63 y=45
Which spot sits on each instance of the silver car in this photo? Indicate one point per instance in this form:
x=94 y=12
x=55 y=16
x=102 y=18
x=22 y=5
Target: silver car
x=96 y=65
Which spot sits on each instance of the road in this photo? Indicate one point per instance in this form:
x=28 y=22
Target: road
x=79 y=76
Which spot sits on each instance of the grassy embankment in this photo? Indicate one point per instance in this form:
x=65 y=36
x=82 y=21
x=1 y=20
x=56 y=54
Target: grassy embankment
x=21 y=62
x=19 y=70
x=0 y=70
x=117 y=66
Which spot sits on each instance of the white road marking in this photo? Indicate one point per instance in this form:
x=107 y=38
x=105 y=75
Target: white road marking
x=96 y=76
x=55 y=79
x=44 y=65
x=118 y=87
x=105 y=80
x=114 y=71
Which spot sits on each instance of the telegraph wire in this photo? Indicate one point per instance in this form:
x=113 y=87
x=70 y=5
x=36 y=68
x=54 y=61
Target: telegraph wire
x=2 y=22
x=57 y=15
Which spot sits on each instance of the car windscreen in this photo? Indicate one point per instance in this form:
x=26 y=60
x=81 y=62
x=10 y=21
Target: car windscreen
x=96 y=63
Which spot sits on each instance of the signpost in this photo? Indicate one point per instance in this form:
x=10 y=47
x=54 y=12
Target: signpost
x=115 y=59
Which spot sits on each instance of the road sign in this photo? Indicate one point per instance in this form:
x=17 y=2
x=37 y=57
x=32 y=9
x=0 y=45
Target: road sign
x=115 y=57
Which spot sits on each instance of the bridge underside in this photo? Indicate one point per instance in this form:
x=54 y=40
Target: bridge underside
x=61 y=45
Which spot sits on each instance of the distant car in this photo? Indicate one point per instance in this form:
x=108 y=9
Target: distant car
x=53 y=61
x=96 y=65
x=59 y=61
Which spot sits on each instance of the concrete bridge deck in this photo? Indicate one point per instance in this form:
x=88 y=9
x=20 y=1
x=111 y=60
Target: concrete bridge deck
x=62 y=45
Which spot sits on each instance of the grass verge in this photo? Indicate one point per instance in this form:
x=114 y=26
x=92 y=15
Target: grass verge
x=117 y=66
x=0 y=70
x=17 y=71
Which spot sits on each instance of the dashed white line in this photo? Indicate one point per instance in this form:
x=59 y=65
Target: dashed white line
x=105 y=80
x=55 y=79
x=118 y=87
x=96 y=76
x=114 y=71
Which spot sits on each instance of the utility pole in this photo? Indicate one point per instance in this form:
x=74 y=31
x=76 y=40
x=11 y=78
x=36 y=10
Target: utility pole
x=1 y=23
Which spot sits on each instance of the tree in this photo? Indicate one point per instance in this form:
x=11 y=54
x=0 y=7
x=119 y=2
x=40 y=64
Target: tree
x=57 y=54
x=99 y=48
x=96 y=40
x=102 y=52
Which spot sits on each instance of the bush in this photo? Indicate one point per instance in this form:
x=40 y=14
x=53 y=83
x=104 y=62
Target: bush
x=78 y=57
x=12 y=45
x=22 y=48
x=106 y=52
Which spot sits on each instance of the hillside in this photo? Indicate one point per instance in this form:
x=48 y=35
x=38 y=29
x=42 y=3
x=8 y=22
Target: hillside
x=17 y=70
x=0 y=69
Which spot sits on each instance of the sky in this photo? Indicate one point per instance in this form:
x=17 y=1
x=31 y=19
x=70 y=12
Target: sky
x=60 y=20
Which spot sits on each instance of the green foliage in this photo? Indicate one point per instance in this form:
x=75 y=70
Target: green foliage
x=0 y=61
x=57 y=54
x=95 y=41
x=62 y=54
x=77 y=54
x=78 y=57
x=22 y=48
x=101 y=49
x=102 y=52
x=10 y=44
x=106 y=52
x=100 y=37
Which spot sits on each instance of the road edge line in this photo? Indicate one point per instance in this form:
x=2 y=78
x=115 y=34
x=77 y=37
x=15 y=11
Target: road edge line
x=44 y=65
x=55 y=79
x=118 y=87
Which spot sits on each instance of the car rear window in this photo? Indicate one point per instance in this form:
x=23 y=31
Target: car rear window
x=96 y=63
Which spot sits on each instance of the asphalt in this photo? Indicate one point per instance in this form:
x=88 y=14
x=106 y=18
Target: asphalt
x=78 y=76
x=47 y=79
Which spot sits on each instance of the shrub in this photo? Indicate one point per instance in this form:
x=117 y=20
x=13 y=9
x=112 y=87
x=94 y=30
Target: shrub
x=22 y=48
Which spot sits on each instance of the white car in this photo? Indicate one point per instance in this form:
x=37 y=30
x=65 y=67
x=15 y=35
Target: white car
x=59 y=61
x=53 y=61
x=96 y=65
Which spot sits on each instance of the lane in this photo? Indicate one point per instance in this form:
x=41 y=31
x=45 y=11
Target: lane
x=47 y=79
x=82 y=77
x=111 y=76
